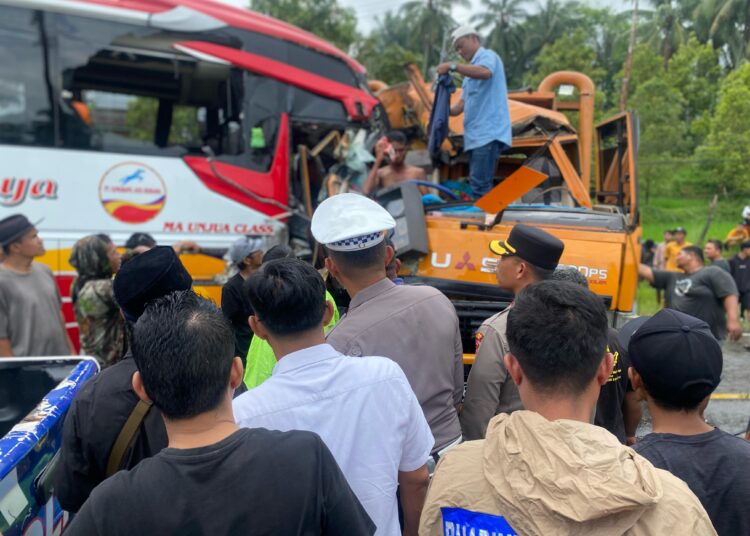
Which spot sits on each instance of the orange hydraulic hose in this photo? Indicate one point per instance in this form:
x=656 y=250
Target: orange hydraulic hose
x=586 y=91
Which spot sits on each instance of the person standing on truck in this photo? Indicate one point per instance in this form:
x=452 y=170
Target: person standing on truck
x=677 y=364
x=395 y=146
x=673 y=249
x=102 y=327
x=705 y=292
x=547 y=470
x=739 y=267
x=527 y=256
x=214 y=478
x=484 y=103
x=106 y=428
x=362 y=407
x=31 y=319
x=416 y=326
x=246 y=254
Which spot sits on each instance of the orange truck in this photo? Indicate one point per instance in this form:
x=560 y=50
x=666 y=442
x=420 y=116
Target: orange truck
x=545 y=180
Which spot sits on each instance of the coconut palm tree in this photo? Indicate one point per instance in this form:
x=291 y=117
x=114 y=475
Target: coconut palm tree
x=731 y=23
x=500 y=19
x=666 y=31
x=432 y=22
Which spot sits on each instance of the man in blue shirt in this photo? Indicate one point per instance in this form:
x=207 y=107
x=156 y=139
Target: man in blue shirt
x=484 y=103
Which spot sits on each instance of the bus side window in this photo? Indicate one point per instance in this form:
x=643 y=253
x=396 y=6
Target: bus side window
x=140 y=95
x=26 y=104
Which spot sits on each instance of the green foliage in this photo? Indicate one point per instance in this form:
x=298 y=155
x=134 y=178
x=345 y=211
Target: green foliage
x=501 y=22
x=431 y=23
x=387 y=62
x=140 y=120
x=665 y=27
x=324 y=18
x=572 y=51
x=727 y=150
x=646 y=65
x=727 y=24
x=695 y=72
x=662 y=131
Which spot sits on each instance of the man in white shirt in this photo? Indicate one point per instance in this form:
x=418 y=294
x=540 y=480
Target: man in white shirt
x=362 y=407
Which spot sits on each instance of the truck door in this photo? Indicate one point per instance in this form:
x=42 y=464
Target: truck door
x=616 y=146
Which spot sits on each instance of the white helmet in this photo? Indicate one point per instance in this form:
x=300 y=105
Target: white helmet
x=746 y=212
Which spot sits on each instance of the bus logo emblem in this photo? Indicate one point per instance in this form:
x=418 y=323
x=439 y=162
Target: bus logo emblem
x=132 y=192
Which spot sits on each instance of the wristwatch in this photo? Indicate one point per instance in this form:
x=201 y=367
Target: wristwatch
x=452 y=68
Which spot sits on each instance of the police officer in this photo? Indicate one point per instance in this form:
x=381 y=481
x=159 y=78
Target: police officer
x=416 y=326
x=529 y=255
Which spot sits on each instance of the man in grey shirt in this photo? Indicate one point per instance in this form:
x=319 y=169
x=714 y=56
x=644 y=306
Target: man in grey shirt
x=416 y=326
x=705 y=292
x=31 y=322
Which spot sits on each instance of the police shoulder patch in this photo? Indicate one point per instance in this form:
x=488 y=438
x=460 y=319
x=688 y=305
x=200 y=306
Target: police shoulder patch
x=478 y=338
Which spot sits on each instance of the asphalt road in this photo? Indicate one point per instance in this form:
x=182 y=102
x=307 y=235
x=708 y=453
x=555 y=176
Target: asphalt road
x=730 y=414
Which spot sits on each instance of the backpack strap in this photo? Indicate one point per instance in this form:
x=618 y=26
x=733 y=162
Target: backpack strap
x=126 y=435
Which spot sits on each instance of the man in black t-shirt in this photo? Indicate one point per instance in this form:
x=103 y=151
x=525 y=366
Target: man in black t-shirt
x=104 y=404
x=705 y=292
x=246 y=253
x=617 y=409
x=677 y=364
x=214 y=478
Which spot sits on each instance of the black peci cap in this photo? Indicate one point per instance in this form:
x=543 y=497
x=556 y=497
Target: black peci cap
x=531 y=244
x=149 y=276
x=675 y=354
x=13 y=227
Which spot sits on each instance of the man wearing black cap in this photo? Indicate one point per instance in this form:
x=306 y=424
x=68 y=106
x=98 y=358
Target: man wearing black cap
x=528 y=256
x=676 y=366
x=31 y=321
x=706 y=292
x=106 y=428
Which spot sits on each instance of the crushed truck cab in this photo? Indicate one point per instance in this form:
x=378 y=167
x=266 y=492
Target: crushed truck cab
x=460 y=264
x=579 y=184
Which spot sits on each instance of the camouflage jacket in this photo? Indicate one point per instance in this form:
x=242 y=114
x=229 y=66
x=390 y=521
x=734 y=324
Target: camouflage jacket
x=102 y=328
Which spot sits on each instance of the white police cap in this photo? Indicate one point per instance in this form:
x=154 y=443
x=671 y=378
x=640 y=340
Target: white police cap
x=350 y=222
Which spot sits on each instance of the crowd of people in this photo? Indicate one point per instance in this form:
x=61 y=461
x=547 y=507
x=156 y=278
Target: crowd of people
x=357 y=414
x=273 y=415
x=700 y=282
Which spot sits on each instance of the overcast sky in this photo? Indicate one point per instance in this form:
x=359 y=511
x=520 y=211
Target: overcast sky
x=367 y=10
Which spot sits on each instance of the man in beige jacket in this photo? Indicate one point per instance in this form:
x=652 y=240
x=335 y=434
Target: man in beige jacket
x=546 y=470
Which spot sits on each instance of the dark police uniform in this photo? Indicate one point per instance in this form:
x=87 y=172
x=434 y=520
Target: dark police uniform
x=489 y=389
